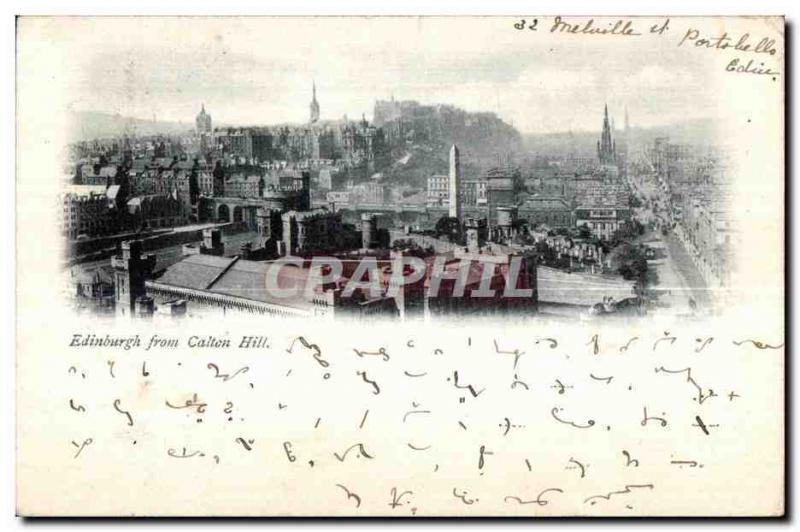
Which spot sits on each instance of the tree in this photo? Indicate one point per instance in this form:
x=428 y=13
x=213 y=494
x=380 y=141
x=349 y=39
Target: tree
x=405 y=244
x=449 y=228
x=632 y=262
x=584 y=232
x=523 y=239
x=628 y=231
x=633 y=267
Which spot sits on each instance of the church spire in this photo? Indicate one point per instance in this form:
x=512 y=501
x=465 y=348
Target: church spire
x=606 y=146
x=314 y=107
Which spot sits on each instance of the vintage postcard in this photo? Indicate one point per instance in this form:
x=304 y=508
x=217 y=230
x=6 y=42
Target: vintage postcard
x=400 y=266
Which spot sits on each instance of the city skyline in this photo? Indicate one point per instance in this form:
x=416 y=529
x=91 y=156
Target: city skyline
x=220 y=121
x=294 y=180
x=249 y=77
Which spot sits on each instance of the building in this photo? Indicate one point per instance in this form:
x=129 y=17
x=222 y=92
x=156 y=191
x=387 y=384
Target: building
x=551 y=211
x=85 y=211
x=203 y=122
x=353 y=143
x=325 y=178
x=244 y=186
x=94 y=175
x=473 y=191
x=338 y=198
x=447 y=300
x=500 y=190
x=603 y=218
x=476 y=232
x=506 y=224
x=156 y=210
x=437 y=191
x=205 y=181
x=310 y=231
x=687 y=168
x=131 y=270
x=227 y=284
x=369 y=192
x=710 y=236
x=93 y=287
x=211 y=245
x=235 y=141
x=293 y=194
x=363 y=143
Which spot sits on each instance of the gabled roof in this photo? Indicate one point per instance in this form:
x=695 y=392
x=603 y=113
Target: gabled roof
x=238 y=278
x=195 y=271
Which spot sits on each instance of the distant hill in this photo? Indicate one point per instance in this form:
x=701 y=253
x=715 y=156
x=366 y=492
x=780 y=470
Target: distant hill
x=695 y=131
x=420 y=137
x=85 y=125
x=584 y=143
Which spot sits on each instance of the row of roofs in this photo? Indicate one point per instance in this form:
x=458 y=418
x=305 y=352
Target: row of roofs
x=235 y=277
x=81 y=191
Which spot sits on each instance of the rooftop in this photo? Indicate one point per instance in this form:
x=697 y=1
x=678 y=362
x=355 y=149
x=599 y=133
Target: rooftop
x=236 y=277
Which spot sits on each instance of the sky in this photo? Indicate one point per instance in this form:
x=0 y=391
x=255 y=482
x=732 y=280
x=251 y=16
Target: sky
x=260 y=70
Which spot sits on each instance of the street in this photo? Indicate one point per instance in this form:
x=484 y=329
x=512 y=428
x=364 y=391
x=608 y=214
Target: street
x=679 y=280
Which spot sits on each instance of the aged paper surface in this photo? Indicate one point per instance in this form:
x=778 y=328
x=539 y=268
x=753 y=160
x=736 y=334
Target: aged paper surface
x=240 y=242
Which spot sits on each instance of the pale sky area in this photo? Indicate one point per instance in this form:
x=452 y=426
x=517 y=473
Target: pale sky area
x=260 y=70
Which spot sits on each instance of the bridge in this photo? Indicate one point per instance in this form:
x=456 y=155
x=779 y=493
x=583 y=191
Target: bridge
x=223 y=209
x=230 y=209
x=432 y=212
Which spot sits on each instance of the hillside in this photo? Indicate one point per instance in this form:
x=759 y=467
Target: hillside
x=420 y=137
x=92 y=125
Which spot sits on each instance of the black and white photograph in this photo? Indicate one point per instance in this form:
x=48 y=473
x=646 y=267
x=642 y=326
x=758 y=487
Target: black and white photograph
x=417 y=266
x=275 y=181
